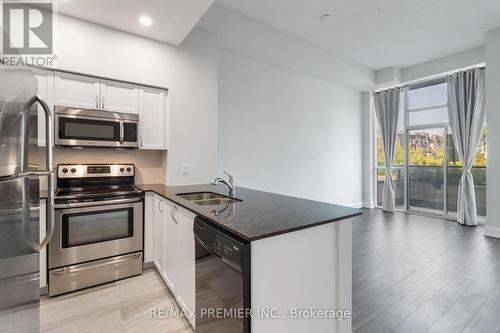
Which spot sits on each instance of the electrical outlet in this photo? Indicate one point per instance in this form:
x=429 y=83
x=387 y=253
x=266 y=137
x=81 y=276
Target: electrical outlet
x=184 y=169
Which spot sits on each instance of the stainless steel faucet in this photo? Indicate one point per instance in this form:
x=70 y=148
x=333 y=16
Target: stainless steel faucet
x=229 y=183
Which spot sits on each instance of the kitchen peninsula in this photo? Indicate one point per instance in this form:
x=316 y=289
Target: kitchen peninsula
x=300 y=252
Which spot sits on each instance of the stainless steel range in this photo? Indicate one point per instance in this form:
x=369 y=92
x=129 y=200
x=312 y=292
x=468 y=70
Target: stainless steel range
x=98 y=226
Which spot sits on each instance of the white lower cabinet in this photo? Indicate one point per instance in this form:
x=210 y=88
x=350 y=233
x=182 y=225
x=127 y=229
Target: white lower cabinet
x=186 y=261
x=172 y=241
x=158 y=227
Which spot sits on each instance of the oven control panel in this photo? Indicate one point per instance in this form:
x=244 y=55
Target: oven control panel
x=95 y=170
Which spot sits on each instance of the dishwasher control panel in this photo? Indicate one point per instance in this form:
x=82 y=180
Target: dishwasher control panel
x=225 y=247
x=220 y=243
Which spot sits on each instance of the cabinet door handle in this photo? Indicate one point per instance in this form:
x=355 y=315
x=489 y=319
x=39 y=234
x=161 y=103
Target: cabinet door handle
x=172 y=213
x=97 y=102
x=102 y=102
x=140 y=137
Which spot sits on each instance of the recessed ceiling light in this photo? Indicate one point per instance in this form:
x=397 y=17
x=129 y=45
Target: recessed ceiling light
x=325 y=17
x=145 y=20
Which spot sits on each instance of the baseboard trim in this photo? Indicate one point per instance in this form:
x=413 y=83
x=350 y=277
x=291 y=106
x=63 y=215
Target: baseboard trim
x=367 y=204
x=354 y=204
x=148 y=265
x=492 y=231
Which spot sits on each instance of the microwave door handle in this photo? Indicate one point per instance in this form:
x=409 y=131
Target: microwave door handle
x=49 y=135
x=121 y=131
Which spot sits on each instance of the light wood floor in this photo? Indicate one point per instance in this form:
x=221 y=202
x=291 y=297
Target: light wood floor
x=122 y=306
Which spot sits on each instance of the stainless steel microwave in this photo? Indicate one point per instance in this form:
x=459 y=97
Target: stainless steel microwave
x=95 y=128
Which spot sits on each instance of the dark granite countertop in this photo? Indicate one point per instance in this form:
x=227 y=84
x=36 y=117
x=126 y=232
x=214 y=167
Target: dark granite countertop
x=259 y=214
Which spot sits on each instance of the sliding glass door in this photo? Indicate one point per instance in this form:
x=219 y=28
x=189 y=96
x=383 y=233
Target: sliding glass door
x=426 y=168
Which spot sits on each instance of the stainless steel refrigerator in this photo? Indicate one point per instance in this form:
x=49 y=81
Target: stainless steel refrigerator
x=20 y=175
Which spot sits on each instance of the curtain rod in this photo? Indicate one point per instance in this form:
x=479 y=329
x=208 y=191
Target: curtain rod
x=430 y=80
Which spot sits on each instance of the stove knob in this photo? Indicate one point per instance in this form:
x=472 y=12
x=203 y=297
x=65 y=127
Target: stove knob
x=65 y=170
x=73 y=170
x=122 y=169
x=128 y=169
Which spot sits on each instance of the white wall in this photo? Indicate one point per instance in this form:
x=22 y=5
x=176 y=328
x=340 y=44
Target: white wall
x=493 y=121
x=443 y=65
x=243 y=35
x=368 y=144
x=188 y=71
x=289 y=133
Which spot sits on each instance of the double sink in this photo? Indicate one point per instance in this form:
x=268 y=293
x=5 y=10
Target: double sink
x=207 y=198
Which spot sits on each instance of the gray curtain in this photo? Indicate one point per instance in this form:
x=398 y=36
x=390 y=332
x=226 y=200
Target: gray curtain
x=466 y=113
x=387 y=111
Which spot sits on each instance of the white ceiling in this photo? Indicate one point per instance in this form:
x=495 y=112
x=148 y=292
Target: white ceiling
x=172 y=19
x=380 y=33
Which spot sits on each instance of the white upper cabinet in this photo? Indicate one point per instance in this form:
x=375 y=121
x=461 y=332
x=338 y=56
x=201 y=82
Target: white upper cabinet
x=153 y=118
x=77 y=91
x=92 y=93
x=45 y=80
x=119 y=97
x=87 y=92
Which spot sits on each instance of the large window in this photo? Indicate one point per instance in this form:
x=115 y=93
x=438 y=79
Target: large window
x=426 y=167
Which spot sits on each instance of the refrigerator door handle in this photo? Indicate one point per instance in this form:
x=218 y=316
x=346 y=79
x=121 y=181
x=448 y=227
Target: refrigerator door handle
x=48 y=129
x=26 y=217
x=49 y=135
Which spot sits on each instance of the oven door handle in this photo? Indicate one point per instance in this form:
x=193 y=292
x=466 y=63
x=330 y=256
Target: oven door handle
x=96 y=203
x=91 y=265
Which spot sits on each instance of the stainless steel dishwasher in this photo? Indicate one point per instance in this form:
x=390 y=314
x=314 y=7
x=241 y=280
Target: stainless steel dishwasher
x=222 y=280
